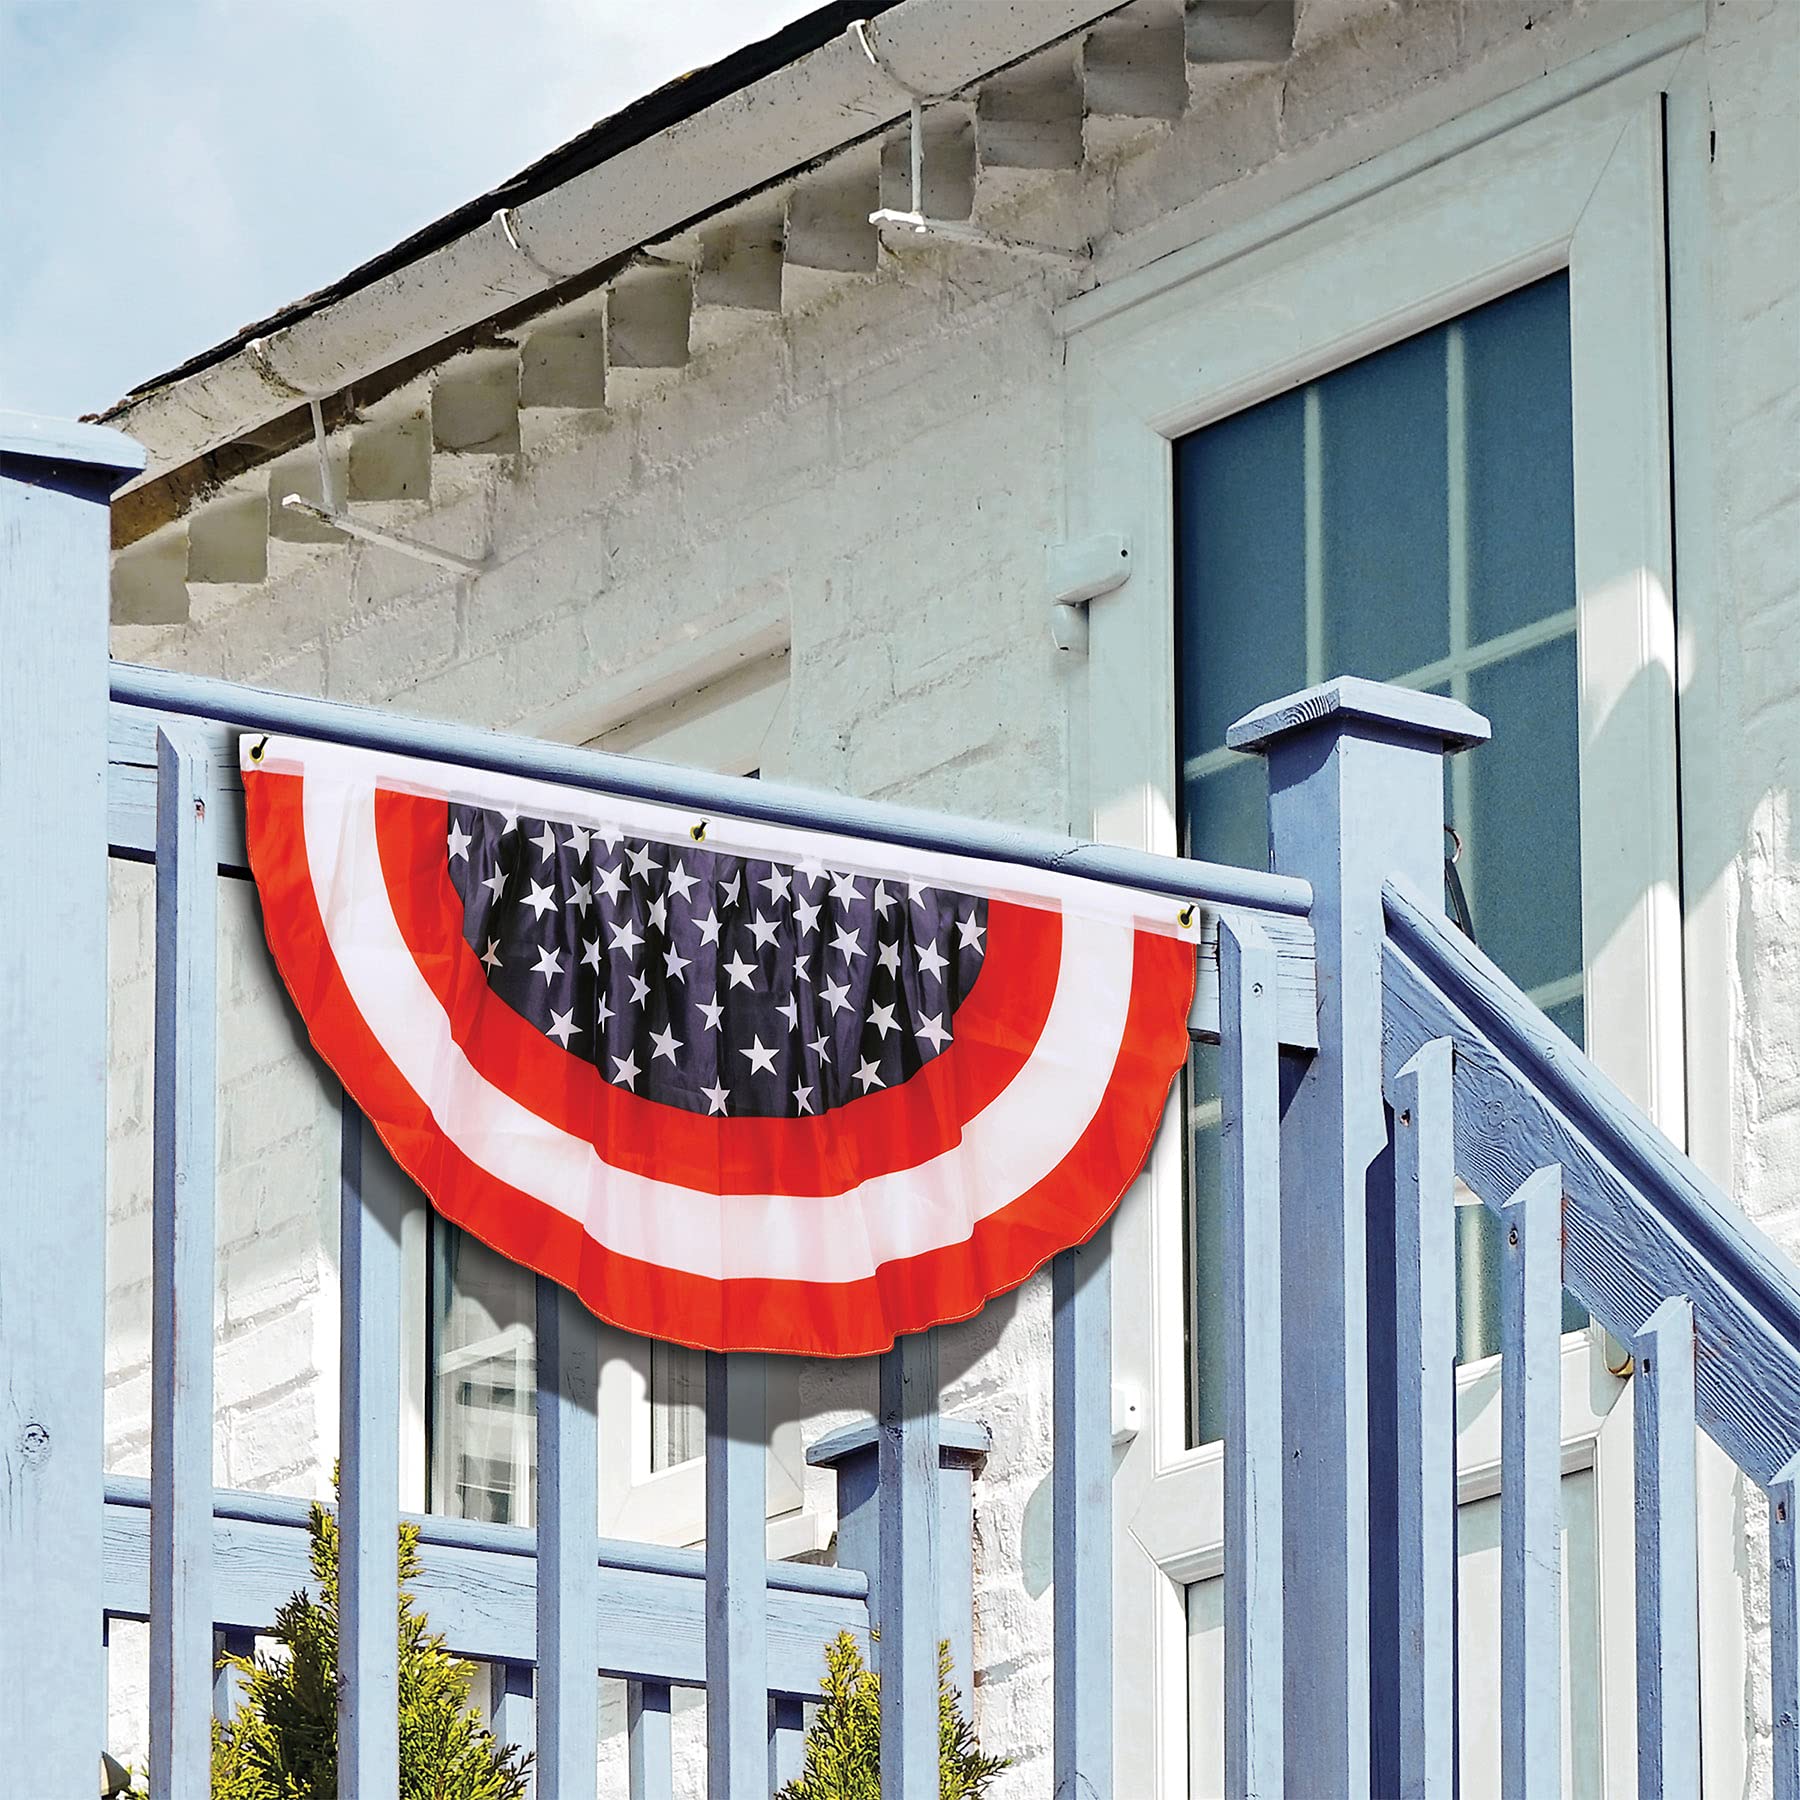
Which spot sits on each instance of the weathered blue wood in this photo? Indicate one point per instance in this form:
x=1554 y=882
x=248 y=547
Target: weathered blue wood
x=907 y=1505
x=510 y=1707
x=787 y=1741
x=1081 y=1513
x=368 y=1479
x=182 y=1234
x=1531 y=1489
x=853 y=1454
x=737 y=1650
x=1355 y=797
x=568 y=1647
x=1668 y=1568
x=1641 y=1223
x=228 y=1684
x=55 y=482
x=1784 y=1629
x=650 y=1753
x=1425 y=1374
x=1250 y=1199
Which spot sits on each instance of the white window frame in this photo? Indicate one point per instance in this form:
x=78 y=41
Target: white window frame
x=1575 y=186
x=733 y=723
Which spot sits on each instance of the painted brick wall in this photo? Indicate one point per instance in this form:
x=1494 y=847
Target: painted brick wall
x=883 y=474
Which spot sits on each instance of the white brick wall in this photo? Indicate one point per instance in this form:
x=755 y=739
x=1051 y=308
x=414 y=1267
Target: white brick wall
x=886 y=471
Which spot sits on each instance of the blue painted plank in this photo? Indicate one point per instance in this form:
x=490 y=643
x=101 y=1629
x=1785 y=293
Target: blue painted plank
x=182 y=1277
x=907 y=1503
x=368 y=1481
x=1425 y=1373
x=1531 y=1489
x=568 y=1650
x=787 y=1741
x=737 y=1649
x=1081 y=1513
x=1784 y=1629
x=228 y=1684
x=1355 y=798
x=1250 y=1199
x=1668 y=1569
x=511 y=1711
x=53 y=576
x=650 y=1754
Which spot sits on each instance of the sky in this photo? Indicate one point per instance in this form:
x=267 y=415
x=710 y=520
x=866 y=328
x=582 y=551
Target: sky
x=171 y=170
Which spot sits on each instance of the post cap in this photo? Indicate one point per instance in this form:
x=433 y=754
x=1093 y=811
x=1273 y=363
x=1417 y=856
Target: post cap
x=962 y=1444
x=70 y=441
x=1447 y=724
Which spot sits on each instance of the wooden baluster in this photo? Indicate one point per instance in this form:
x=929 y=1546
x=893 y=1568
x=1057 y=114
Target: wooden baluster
x=1425 y=1370
x=568 y=1570
x=181 y=1385
x=510 y=1708
x=737 y=1607
x=228 y=1684
x=1250 y=1179
x=1784 y=1628
x=787 y=1740
x=651 y=1754
x=1531 y=1490
x=907 y=1500
x=1668 y=1573
x=368 y=1481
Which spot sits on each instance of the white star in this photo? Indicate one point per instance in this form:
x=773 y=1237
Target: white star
x=625 y=1069
x=494 y=883
x=821 y=1047
x=890 y=959
x=590 y=953
x=579 y=839
x=868 y=1075
x=883 y=899
x=765 y=931
x=610 y=880
x=777 y=885
x=807 y=913
x=759 y=1057
x=562 y=1026
x=728 y=894
x=931 y=1030
x=882 y=1018
x=674 y=963
x=491 y=956
x=918 y=890
x=709 y=928
x=657 y=914
x=509 y=819
x=844 y=888
x=681 y=883
x=716 y=1096
x=540 y=899
x=639 y=860
x=549 y=963
x=970 y=933
x=582 y=894
x=640 y=990
x=811 y=868
x=740 y=971
x=801 y=971
x=625 y=937
x=608 y=835
x=602 y=1012
x=847 y=944
x=666 y=1044
x=803 y=1097
x=790 y=1010
x=837 y=996
x=932 y=961
x=545 y=841
x=710 y=1011
x=459 y=842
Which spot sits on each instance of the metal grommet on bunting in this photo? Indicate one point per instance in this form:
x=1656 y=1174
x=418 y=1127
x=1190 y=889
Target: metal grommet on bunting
x=257 y=749
x=698 y=832
x=1186 y=916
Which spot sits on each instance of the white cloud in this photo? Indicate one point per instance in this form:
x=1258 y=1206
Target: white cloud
x=172 y=171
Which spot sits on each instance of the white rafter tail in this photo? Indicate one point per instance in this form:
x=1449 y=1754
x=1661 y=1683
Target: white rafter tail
x=388 y=540
x=957 y=231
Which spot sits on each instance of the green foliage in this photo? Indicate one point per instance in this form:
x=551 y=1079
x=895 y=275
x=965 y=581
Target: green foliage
x=281 y=1743
x=843 y=1748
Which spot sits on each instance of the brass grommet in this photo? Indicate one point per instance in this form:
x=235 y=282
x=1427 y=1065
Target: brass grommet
x=698 y=832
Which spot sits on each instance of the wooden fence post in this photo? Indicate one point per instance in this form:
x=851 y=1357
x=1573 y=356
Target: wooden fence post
x=55 y=484
x=1355 y=799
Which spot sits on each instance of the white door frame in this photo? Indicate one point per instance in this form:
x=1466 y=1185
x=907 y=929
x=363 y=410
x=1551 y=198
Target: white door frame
x=1575 y=187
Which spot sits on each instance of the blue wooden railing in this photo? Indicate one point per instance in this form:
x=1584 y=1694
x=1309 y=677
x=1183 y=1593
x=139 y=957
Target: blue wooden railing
x=1370 y=1058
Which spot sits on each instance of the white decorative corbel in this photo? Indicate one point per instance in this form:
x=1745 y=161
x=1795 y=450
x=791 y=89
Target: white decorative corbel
x=1078 y=572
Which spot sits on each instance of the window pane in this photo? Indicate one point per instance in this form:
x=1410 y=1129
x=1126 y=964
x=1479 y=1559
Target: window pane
x=1386 y=566
x=678 y=1404
x=1520 y=438
x=1227 y=814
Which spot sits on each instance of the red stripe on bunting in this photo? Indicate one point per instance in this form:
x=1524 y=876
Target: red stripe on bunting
x=807 y=1318
x=997 y=1027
